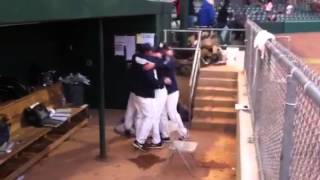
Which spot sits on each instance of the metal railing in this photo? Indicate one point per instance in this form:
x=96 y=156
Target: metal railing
x=166 y=31
x=285 y=100
x=228 y=42
x=228 y=33
x=196 y=62
x=194 y=77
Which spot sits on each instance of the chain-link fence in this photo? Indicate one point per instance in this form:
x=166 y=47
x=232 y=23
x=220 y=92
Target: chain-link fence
x=286 y=110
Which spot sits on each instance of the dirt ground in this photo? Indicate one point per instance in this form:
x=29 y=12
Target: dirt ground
x=76 y=159
x=304 y=45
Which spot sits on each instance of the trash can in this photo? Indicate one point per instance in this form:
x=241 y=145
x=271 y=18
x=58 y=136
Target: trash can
x=74 y=93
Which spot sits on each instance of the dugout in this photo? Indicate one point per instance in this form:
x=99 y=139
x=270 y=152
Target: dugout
x=77 y=36
x=64 y=35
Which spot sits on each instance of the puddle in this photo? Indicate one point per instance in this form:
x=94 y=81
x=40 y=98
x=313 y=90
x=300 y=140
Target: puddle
x=146 y=161
x=214 y=165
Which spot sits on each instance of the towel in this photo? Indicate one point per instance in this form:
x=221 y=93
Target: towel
x=261 y=39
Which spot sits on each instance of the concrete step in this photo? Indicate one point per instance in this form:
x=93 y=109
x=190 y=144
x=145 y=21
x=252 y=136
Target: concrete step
x=214 y=101
x=218 y=74
x=214 y=112
x=217 y=82
x=213 y=123
x=216 y=91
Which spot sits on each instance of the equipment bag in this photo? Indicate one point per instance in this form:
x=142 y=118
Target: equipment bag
x=36 y=114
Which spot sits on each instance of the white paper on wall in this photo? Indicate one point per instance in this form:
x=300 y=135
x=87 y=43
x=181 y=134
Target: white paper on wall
x=130 y=47
x=119 y=45
x=145 y=38
x=124 y=46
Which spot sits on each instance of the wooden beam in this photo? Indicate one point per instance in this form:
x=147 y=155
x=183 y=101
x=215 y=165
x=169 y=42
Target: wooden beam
x=39 y=155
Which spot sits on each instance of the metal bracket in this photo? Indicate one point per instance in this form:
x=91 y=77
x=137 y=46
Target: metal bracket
x=291 y=104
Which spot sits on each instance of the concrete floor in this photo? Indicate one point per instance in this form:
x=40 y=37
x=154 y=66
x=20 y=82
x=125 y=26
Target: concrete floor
x=75 y=159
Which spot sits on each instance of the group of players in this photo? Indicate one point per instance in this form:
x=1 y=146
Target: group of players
x=154 y=96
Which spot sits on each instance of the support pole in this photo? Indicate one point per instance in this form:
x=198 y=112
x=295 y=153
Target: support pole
x=287 y=140
x=102 y=134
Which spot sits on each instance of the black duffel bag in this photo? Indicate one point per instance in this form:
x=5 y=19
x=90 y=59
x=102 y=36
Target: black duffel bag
x=183 y=111
x=36 y=115
x=11 y=89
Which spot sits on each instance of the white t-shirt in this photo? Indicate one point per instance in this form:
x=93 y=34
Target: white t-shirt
x=269 y=6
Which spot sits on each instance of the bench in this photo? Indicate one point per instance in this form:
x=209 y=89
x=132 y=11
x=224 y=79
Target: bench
x=32 y=143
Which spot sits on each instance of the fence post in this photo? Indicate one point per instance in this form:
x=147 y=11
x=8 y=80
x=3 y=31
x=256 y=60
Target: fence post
x=287 y=139
x=252 y=58
x=257 y=89
x=165 y=32
x=247 y=44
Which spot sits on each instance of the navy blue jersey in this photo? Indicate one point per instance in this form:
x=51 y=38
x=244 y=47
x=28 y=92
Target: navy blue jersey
x=170 y=72
x=142 y=82
x=160 y=67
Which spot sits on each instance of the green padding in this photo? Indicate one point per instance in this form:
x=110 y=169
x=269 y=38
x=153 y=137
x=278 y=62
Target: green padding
x=17 y=11
x=291 y=27
x=312 y=26
x=273 y=27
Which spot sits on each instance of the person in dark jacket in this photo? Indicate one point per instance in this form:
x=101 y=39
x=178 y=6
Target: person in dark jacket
x=206 y=14
x=222 y=19
x=177 y=5
x=144 y=84
x=160 y=97
x=127 y=124
x=192 y=14
x=173 y=94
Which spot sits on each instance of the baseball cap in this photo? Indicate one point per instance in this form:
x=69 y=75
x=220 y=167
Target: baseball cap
x=164 y=46
x=145 y=47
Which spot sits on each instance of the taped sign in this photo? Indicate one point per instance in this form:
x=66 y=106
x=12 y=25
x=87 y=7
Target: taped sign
x=143 y=38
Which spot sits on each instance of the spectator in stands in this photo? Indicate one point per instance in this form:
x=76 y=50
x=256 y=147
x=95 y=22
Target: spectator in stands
x=315 y=6
x=177 y=5
x=239 y=23
x=268 y=6
x=289 y=9
x=192 y=14
x=223 y=15
x=206 y=14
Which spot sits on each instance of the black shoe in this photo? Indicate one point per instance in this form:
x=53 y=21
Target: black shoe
x=139 y=146
x=165 y=139
x=155 y=146
x=184 y=138
x=127 y=133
